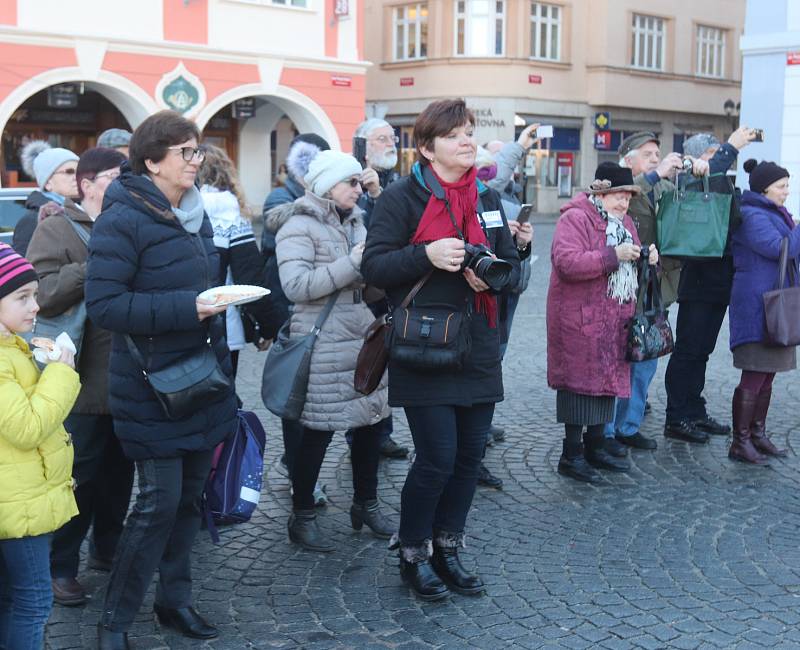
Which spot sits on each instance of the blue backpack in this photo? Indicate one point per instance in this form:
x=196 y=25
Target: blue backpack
x=234 y=484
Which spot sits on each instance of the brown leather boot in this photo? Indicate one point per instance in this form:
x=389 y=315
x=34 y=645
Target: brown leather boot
x=68 y=592
x=742 y=449
x=758 y=427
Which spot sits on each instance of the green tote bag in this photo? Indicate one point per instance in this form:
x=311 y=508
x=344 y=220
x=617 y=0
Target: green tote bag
x=693 y=224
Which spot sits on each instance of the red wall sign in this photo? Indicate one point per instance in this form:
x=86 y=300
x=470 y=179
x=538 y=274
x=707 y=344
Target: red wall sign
x=565 y=159
x=534 y=79
x=793 y=58
x=406 y=81
x=341 y=81
x=602 y=140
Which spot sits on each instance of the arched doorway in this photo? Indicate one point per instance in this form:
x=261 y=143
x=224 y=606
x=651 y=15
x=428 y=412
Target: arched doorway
x=65 y=115
x=257 y=143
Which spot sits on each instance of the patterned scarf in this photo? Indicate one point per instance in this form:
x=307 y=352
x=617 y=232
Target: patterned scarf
x=624 y=282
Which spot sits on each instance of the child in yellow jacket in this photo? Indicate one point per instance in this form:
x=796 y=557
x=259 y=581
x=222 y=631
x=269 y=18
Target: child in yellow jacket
x=35 y=460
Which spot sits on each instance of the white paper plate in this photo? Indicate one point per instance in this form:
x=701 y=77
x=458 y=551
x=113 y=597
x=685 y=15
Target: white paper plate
x=234 y=294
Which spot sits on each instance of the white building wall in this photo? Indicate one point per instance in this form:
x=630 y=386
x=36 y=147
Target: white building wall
x=239 y=25
x=103 y=18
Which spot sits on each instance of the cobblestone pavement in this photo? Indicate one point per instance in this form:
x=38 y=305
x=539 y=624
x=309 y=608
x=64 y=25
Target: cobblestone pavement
x=688 y=550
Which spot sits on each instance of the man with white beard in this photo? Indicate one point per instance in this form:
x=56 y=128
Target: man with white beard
x=381 y=159
x=379 y=171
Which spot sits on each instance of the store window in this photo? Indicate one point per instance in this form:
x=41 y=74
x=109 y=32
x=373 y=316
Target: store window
x=649 y=42
x=411 y=31
x=480 y=27
x=710 y=51
x=555 y=163
x=545 y=31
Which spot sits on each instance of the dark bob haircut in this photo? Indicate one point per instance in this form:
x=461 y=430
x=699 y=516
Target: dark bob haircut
x=152 y=137
x=96 y=160
x=437 y=120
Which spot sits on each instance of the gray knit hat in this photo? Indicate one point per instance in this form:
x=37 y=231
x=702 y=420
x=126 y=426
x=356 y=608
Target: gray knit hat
x=698 y=144
x=40 y=160
x=113 y=138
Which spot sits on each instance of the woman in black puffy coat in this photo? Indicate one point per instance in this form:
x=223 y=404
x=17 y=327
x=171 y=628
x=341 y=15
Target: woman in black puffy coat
x=150 y=255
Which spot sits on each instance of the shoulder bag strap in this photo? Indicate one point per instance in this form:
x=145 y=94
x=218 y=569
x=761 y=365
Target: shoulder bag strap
x=783 y=263
x=415 y=289
x=137 y=356
x=326 y=311
x=79 y=230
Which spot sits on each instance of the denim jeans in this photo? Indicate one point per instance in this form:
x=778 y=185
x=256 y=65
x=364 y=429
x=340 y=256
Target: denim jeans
x=25 y=594
x=629 y=412
x=104 y=478
x=449 y=443
x=158 y=534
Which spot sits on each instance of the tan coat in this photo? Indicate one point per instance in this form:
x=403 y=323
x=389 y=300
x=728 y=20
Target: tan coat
x=59 y=257
x=313 y=261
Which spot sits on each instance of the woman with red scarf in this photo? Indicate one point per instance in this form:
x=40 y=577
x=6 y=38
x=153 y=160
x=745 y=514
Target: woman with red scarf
x=414 y=234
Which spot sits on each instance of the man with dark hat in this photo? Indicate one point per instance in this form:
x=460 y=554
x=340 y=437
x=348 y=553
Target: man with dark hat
x=641 y=154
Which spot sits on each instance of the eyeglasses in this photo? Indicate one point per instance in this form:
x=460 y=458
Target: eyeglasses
x=110 y=174
x=190 y=153
x=68 y=172
x=352 y=182
x=387 y=139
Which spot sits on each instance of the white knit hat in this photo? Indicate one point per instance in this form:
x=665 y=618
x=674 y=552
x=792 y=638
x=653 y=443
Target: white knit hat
x=329 y=168
x=40 y=160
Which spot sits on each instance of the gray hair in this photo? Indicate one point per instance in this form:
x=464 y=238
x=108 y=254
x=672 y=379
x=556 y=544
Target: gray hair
x=623 y=161
x=368 y=126
x=698 y=144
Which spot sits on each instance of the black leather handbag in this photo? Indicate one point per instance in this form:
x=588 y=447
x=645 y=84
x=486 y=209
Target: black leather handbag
x=185 y=385
x=649 y=331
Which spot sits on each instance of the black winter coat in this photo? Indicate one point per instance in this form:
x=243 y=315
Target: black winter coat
x=143 y=277
x=23 y=231
x=391 y=263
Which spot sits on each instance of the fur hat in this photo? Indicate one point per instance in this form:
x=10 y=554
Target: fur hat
x=329 y=168
x=40 y=160
x=301 y=153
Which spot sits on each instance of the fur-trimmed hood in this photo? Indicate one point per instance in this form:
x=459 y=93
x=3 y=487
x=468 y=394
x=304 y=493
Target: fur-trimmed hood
x=311 y=205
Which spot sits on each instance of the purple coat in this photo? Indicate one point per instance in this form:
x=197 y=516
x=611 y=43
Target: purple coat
x=586 y=330
x=756 y=247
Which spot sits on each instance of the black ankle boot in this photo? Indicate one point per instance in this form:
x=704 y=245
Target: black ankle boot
x=448 y=567
x=108 y=640
x=596 y=455
x=369 y=513
x=304 y=530
x=419 y=576
x=573 y=464
x=187 y=621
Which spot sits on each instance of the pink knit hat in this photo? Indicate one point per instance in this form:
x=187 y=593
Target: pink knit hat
x=15 y=270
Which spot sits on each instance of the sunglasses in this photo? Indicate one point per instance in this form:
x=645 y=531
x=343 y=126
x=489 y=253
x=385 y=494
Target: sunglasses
x=352 y=182
x=190 y=153
x=68 y=172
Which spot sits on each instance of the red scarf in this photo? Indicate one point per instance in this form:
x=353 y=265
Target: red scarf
x=435 y=224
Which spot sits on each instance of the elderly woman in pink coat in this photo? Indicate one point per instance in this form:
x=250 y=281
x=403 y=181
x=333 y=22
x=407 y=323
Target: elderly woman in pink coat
x=590 y=301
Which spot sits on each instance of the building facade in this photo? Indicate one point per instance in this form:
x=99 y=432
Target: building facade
x=633 y=64
x=250 y=73
x=771 y=87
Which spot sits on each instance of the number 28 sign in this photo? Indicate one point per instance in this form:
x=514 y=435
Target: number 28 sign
x=341 y=7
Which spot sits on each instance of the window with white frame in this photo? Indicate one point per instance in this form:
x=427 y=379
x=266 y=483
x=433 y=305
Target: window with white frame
x=411 y=31
x=649 y=42
x=291 y=3
x=710 y=51
x=480 y=27
x=545 y=31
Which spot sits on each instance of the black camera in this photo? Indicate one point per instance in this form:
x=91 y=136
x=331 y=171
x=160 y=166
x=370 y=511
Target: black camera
x=478 y=257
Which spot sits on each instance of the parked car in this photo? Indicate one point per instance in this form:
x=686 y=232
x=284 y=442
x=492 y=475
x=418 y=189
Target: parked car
x=12 y=207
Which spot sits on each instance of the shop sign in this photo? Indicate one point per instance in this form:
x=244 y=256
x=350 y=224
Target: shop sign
x=602 y=121
x=181 y=91
x=63 y=95
x=534 y=78
x=602 y=140
x=565 y=159
x=485 y=118
x=406 y=81
x=244 y=108
x=793 y=58
x=341 y=8
x=340 y=80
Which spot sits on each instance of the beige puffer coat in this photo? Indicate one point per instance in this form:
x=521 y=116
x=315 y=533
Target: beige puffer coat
x=313 y=247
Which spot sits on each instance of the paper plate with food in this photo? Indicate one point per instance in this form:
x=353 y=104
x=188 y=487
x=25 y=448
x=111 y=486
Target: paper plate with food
x=234 y=294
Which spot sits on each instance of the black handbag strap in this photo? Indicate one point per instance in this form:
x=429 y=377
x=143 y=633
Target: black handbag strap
x=649 y=294
x=137 y=356
x=785 y=266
